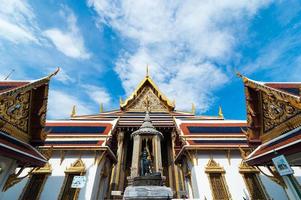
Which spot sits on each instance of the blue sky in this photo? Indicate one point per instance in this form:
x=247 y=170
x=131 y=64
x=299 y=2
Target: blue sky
x=193 y=49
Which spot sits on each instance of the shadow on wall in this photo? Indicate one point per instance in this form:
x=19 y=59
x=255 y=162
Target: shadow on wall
x=52 y=187
x=275 y=191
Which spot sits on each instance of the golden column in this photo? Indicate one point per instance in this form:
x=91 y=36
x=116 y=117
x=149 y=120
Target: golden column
x=117 y=171
x=120 y=155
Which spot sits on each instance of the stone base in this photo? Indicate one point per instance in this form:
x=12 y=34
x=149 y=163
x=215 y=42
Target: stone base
x=147 y=192
x=154 y=179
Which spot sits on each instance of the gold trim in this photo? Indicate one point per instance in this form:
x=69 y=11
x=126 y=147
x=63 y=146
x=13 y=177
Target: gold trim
x=245 y=168
x=47 y=169
x=77 y=166
x=214 y=167
x=290 y=124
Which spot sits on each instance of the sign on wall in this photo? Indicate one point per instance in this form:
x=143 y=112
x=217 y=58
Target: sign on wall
x=78 y=182
x=282 y=165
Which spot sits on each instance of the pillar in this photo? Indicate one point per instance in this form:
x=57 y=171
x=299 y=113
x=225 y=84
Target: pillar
x=292 y=187
x=157 y=154
x=120 y=158
x=136 y=156
x=117 y=171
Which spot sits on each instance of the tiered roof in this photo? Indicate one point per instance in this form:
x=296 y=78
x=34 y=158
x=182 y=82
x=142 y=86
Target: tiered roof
x=23 y=106
x=193 y=132
x=274 y=119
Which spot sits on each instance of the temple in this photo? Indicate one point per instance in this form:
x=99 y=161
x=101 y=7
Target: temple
x=194 y=157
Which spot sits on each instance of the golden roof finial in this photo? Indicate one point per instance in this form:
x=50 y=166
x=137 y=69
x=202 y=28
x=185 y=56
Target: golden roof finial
x=192 y=108
x=220 y=112
x=73 y=112
x=101 y=108
x=120 y=100
x=147 y=72
x=174 y=102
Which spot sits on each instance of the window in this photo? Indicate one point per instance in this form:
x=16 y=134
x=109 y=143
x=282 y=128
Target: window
x=252 y=181
x=218 y=186
x=36 y=183
x=69 y=193
x=217 y=181
x=76 y=169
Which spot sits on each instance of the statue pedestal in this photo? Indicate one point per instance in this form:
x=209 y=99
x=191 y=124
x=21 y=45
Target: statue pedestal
x=154 y=179
x=147 y=187
x=147 y=192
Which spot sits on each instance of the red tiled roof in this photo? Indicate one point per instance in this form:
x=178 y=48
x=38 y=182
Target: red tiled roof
x=8 y=85
x=24 y=153
x=292 y=88
x=286 y=144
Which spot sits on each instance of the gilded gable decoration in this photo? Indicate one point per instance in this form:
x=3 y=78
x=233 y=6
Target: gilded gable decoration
x=275 y=111
x=15 y=108
x=214 y=167
x=147 y=90
x=245 y=168
x=77 y=166
x=270 y=111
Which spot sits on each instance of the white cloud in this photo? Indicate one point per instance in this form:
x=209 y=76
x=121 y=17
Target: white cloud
x=60 y=105
x=70 y=42
x=17 y=22
x=97 y=94
x=63 y=76
x=185 y=43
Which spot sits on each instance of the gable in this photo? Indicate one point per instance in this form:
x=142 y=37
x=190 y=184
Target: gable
x=147 y=91
x=155 y=105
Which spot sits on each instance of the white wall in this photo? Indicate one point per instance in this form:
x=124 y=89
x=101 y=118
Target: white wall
x=234 y=180
x=54 y=181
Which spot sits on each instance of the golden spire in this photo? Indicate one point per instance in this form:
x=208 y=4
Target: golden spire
x=147 y=74
x=193 y=108
x=120 y=100
x=101 y=108
x=73 y=112
x=220 y=112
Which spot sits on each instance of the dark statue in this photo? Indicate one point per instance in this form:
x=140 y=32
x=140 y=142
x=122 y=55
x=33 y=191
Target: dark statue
x=145 y=163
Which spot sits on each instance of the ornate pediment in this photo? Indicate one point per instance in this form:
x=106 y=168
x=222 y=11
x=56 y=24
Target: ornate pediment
x=23 y=109
x=155 y=105
x=14 y=109
x=270 y=111
x=147 y=90
x=276 y=112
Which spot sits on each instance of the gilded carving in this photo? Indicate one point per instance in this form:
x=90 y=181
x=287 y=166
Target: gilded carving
x=275 y=111
x=15 y=109
x=14 y=178
x=154 y=102
x=213 y=167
